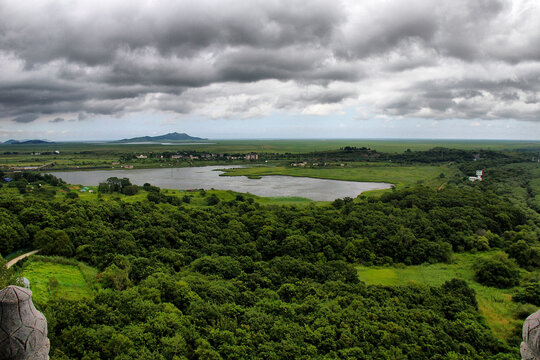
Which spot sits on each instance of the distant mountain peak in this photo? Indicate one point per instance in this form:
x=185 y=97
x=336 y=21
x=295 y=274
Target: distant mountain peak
x=27 y=142
x=174 y=136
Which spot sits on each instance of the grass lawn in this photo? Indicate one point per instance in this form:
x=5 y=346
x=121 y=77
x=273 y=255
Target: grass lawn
x=495 y=304
x=54 y=280
x=197 y=199
x=400 y=176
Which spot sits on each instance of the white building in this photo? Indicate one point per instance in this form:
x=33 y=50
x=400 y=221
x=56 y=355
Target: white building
x=478 y=176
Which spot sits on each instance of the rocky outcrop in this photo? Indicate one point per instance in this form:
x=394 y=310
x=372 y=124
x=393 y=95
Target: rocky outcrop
x=23 y=329
x=530 y=347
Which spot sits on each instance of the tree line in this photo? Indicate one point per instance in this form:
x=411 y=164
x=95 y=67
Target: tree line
x=236 y=279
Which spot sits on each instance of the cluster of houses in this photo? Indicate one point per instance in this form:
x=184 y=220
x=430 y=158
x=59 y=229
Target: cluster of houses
x=191 y=157
x=20 y=168
x=250 y=156
x=36 y=153
x=125 y=166
x=33 y=167
x=305 y=163
x=478 y=176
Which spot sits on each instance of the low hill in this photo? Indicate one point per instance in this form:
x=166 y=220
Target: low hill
x=27 y=142
x=175 y=136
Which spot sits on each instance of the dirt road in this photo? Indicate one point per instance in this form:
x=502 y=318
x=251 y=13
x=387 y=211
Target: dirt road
x=14 y=261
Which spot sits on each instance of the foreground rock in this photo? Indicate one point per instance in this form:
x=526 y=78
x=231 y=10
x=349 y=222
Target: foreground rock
x=530 y=347
x=23 y=329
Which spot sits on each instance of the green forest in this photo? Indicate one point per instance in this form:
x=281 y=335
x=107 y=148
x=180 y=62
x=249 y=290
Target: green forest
x=168 y=277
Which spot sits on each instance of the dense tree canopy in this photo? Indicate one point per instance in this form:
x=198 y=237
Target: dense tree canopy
x=237 y=280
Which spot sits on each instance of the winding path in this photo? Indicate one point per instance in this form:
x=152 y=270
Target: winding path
x=20 y=257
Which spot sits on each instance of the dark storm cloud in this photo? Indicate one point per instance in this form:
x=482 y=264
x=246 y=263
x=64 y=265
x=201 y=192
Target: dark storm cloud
x=57 y=120
x=416 y=58
x=25 y=118
x=93 y=35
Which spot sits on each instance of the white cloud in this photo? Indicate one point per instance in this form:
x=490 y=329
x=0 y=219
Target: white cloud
x=476 y=60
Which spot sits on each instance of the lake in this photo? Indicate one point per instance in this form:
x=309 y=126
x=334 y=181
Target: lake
x=207 y=177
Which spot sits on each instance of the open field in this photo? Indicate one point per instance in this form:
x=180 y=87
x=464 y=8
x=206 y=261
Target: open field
x=73 y=155
x=280 y=146
x=197 y=199
x=495 y=304
x=372 y=172
x=55 y=280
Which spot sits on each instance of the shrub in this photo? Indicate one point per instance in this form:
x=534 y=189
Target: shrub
x=498 y=271
x=526 y=256
x=72 y=195
x=130 y=190
x=53 y=242
x=212 y=200
x=529 y=293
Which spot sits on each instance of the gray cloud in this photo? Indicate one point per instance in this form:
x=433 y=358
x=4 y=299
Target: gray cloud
x=57 y=120
x=25 y=118
x=442 y=60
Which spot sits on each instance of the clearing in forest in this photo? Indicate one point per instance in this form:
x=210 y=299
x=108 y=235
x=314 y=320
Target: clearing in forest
x=49 y=280
x=495 y=304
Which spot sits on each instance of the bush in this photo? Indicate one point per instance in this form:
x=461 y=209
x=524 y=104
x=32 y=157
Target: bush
x=526 y=256
x=7 y=276
x=524 y=310
x=498 y=271
x=212 y=200
x=72 y=195
x=130 y=190
x=114 y=278
x=53 y=242
x=224 y=266
x=529 y=293
x=150 y=188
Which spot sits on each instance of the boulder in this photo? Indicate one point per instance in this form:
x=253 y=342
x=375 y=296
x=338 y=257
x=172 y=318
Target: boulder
x=530 y=347
x=23 y=329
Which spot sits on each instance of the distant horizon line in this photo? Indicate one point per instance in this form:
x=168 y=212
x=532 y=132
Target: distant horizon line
x=275 y=139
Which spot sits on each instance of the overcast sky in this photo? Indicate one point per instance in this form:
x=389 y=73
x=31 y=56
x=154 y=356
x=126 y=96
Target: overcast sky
x=82 y=70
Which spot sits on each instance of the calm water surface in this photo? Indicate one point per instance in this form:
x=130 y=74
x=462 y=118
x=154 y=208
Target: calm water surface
x=207 y=177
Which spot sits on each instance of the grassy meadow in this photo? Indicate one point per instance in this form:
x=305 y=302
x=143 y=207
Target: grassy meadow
x=198 y=198
x=51 y=278
x=495 y=304
x=400 y=176
x=73 y=155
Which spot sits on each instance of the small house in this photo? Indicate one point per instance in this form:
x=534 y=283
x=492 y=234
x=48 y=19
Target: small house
x=478 y=177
